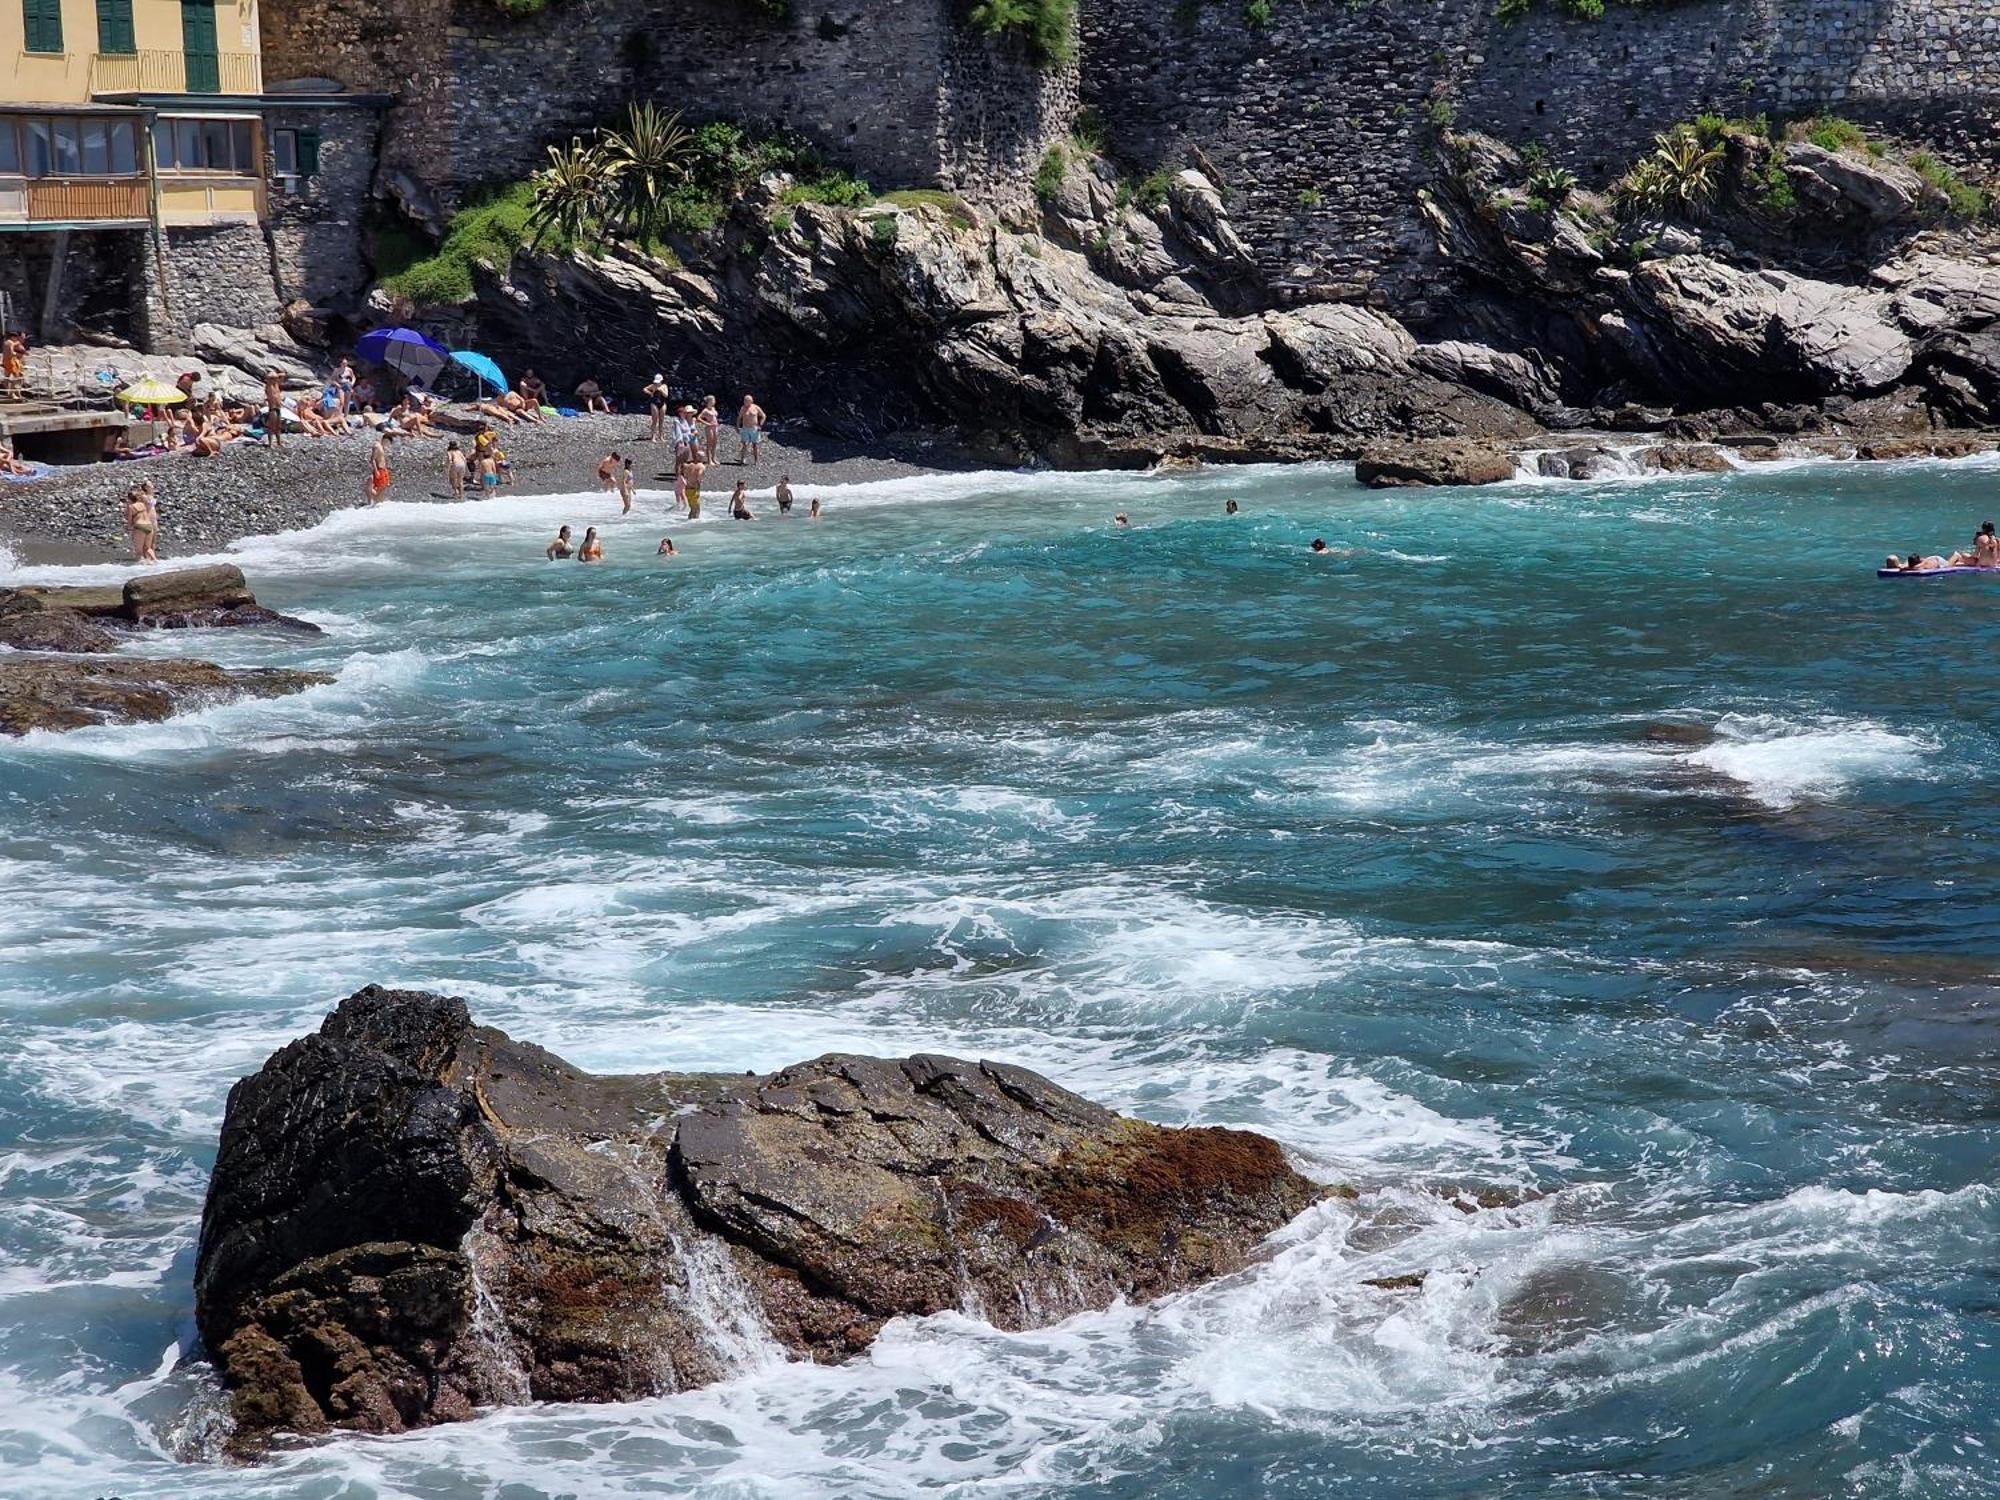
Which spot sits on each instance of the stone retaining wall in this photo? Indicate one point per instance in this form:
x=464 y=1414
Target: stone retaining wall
x=1321 y=125
x=896 y=90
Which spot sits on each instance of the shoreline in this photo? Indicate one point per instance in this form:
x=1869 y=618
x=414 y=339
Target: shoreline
x=73 y=517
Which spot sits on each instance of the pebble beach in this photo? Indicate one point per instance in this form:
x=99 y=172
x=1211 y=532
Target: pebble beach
x=73 y=515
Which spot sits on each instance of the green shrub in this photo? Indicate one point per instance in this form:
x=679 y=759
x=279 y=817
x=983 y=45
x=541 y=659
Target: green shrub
x=955 y=208
x=1150 y=191
x=490 y=228
x=1257 y=14
x=1779 y=194
x=1441 y=112
x=1089 y=133
x=1308 y=197
x=1050 y=171
x=1965 y=200
x=835 y=189
x=1832 y=133
x=1047 y=26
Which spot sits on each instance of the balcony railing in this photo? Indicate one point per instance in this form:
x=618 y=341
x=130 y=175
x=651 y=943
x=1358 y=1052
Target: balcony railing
x=164 y=72
x=73 y=199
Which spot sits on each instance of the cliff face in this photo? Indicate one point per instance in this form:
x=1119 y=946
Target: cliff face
x=412 y=1217
x=1320 y=126
x=1097 y=332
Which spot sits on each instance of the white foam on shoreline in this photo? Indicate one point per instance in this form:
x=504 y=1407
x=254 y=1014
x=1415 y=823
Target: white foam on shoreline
x=392 y=533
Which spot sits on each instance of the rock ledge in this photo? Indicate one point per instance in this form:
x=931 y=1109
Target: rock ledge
x=412 y=1217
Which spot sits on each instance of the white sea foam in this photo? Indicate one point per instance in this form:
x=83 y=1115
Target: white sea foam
x=1781 y=762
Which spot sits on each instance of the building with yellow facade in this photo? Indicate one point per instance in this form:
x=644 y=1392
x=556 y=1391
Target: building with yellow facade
x=149 y=182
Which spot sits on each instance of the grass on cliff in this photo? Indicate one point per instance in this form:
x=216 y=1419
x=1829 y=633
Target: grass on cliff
x=490 y=228
x=1047 y=27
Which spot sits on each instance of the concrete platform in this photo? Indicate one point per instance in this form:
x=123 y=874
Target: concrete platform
x=40 y=430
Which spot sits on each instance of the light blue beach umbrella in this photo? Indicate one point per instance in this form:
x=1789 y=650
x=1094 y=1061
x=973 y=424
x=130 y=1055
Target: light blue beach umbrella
x=488 y=372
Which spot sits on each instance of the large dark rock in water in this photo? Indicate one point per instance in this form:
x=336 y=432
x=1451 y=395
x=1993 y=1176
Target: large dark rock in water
x=412 y=1217
x=75 y=692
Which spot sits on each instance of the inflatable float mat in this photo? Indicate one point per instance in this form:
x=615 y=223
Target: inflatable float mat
x=1929 y=572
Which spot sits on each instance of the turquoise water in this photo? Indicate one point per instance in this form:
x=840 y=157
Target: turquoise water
x=1370 y=851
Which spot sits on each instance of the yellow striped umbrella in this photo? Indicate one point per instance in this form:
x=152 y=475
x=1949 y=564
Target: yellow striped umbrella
x=150 y=392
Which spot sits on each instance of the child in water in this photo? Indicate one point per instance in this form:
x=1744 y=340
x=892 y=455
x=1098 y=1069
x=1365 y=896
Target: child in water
x=454 y=470
x=666 y=548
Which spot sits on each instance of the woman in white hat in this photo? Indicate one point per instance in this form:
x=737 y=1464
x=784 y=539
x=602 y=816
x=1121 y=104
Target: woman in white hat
x=656 y=400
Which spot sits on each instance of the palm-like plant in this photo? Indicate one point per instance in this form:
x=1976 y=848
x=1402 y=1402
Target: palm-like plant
x=1552 y=185
x=649 y=157
x=572 y=193
x=1680 y=175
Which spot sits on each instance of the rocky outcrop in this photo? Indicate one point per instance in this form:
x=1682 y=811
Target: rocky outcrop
x=1395 y=465
x=89 y=616
x=1827 y=308
x=412 y=1217
x=1097 y=325
x=73 y=692
x=76 y=688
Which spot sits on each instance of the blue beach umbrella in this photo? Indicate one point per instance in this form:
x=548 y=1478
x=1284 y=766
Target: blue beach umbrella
x=405 y=351
x=488 y=372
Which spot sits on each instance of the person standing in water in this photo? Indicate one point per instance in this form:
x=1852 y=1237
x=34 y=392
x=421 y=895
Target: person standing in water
x=592 y=550
x=625 y=488
x=141 y=522
x=1231 y=508
x=813 y=513
x=785 y=495
x=378 y=467
x=709 y=423
x=750 y=431
x=562 y=546
x=666 y=548
x=692 y=468
x=739 y=503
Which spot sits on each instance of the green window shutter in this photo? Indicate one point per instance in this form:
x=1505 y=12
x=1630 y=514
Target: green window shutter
x=42 y=21
x=308 y=153
x=114 y=27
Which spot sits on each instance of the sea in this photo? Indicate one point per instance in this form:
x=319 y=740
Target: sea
x=1602 y=879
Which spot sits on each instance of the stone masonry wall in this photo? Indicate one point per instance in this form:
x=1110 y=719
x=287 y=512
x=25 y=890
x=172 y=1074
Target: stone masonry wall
x=219 y=274
x=896 y=90
x=315 y=223
x=1321 y=126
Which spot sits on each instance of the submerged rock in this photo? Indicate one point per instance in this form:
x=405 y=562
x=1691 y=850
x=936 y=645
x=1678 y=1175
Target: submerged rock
x=412 y=1217
x=73 y=692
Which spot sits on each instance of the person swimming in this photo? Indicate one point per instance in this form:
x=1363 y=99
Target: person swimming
x=1121 y=519
x=1319 y=544
x=1231 y=508
x=592 y=550
x=562 y=546
x=666 y=548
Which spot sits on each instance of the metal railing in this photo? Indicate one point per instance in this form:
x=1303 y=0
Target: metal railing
x=71 y=199
x=166 y=72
